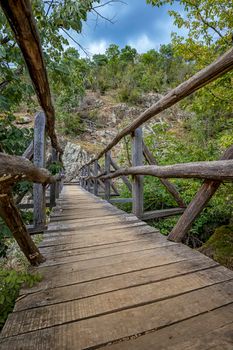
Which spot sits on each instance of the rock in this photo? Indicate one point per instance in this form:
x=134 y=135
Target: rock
x=73 y=158
x=24 y=120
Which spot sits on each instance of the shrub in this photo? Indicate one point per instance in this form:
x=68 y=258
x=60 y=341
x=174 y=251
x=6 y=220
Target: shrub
x=11 y=282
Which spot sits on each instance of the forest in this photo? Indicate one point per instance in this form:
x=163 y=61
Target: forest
x=199 y=129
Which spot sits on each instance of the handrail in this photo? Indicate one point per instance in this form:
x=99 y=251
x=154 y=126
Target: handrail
x=212 y=172
x=216 y=69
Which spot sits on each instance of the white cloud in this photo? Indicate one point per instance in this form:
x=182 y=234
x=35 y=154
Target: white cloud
x=143 y=43
x=97 y=47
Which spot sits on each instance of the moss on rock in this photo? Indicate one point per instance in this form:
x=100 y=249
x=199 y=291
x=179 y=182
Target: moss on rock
x=220 y=246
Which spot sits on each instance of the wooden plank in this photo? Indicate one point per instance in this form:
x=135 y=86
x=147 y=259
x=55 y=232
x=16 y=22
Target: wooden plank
x=172 y=252
x=39 y=201
x=101 y=330
x=137 y=183
x=88 y=273
x=142 y=246
x=171 y=337
x=156 y=214
x=98 y=237
x=110 y=283
x=102 y=304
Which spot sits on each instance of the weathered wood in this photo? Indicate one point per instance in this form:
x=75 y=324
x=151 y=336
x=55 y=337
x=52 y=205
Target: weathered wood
x=39 y=201
x=216 y=69
x=220 y=170
x=22 y=22
x=121 y=200
x=107 y=182
x=137 y=181
x=169 y=186
x=157 y=214
x=15 y=168
x=88 y=181
x=13 y=220
x=198 y=203
x=95 y=172
x=124 y=178
x=116 y=193
x=53 y=186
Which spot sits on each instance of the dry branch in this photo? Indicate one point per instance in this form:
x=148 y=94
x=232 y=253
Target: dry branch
x=221 y=170
x=22 y=22
x=14 y=169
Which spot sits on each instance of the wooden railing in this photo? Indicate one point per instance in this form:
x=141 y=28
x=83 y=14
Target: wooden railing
x=43 y=196
x=93 y=178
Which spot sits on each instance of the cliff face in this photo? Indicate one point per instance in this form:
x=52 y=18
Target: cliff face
x=103 y=117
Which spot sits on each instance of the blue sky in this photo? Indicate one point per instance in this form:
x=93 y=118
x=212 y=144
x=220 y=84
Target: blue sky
x=135 y=23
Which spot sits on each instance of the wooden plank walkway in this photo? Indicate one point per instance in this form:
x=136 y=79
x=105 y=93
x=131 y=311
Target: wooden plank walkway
x=111 y=280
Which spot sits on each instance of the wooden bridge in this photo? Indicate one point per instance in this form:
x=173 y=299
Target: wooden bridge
x=111 y=280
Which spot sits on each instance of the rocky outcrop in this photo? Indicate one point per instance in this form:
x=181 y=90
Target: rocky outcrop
x=73 y=158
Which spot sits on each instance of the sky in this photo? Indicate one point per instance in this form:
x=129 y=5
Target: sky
x=136 y=23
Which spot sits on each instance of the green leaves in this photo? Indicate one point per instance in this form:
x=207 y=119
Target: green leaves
x=11 y=281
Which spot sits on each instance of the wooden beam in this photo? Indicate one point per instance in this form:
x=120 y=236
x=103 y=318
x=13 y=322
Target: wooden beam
x=163 y=213
x=39 y=212
x=13 y=220
x=20 y=17
x=198 y=203
x=216 y=69
x=169 y=186
x=220 y=170
x=137 y=183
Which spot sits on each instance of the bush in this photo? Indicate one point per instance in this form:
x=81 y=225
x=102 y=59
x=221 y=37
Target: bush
x=11 y=282
x=70 y=124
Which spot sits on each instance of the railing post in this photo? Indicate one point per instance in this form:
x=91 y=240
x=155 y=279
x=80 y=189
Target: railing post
x=53 y=186
x=107 y=170
x=137 y=184
x=39 y=198
x=95 y=180
x=88 y=181
x=81 y=178
x=85 y=174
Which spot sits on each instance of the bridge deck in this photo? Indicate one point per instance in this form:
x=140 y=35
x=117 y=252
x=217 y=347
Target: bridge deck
x=111 y=280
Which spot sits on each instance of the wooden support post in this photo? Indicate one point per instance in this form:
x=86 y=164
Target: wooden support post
x=199 y=202
x=39 y=161
x=107 y=183
x=169 y=186
x=95 y=171
x=12 y=218
x=85 y=174
x=137 y=185
x=55 y=185
x=88 y=181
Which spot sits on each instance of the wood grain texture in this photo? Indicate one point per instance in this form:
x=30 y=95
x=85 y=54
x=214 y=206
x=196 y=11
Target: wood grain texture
x=122 y=285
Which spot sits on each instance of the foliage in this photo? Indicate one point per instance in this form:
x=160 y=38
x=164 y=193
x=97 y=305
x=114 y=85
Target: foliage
x=11 y=282
x=13 y=140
